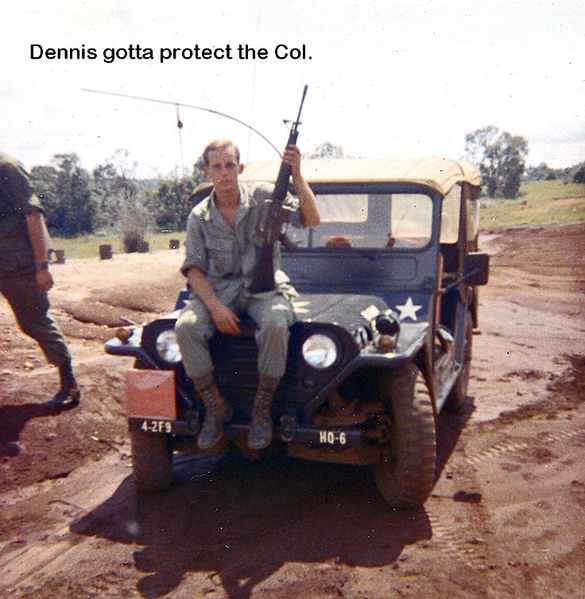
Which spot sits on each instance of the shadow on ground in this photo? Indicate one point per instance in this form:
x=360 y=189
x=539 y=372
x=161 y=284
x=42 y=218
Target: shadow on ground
x=242 y=521
x=13 y=419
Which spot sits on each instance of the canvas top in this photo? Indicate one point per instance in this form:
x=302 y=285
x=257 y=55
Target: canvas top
x=435 y=172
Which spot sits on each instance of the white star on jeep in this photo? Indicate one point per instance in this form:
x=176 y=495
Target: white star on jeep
x=300 y=307
x=408 y=310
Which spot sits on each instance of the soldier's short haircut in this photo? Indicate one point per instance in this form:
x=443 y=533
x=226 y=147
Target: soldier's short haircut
x=218 y=145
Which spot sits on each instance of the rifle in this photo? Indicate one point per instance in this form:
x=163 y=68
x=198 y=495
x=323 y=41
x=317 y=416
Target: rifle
x=271 y=227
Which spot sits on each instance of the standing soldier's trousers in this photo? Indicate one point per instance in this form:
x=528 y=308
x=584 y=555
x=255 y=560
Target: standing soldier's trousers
x=30 y=305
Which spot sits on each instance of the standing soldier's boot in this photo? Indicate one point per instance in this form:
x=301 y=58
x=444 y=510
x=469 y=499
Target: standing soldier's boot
x=217 y=412
x=68 y=395
x=260 y=434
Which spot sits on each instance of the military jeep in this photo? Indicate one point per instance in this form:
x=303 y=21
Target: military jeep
x=382 y=343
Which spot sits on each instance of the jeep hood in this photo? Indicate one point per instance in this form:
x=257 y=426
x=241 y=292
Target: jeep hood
x=356 y=313
x=350 y=311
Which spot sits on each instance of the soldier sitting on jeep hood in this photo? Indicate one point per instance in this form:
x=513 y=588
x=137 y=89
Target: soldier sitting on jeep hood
x=222 y=232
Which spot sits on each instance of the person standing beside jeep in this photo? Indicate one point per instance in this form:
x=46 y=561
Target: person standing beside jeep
x=222 y=234
x=24 y=273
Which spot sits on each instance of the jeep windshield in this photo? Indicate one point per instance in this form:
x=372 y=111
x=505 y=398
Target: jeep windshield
x=369 y=221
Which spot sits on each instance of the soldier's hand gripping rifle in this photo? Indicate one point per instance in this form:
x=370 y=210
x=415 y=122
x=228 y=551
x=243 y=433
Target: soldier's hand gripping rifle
x=271 y=227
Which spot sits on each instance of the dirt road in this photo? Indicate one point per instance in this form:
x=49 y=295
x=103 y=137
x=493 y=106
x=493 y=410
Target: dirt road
x=505 y=518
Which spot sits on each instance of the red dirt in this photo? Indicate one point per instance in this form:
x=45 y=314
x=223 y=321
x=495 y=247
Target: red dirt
x=505 y=518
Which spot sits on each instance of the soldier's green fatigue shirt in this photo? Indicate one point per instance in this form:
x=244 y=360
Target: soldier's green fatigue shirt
x=18 y=283
x=228 y=257
x=17 y=199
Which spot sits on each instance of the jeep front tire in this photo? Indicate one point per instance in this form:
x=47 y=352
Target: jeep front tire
x=406 y=472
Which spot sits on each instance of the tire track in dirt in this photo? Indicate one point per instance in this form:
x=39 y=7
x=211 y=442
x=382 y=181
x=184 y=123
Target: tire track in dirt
x=503 y=520
x=466 y=542
x=467 y=546
x=500 y=449
x=470 y=544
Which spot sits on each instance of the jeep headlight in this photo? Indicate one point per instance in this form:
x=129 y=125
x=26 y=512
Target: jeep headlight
x=167 y=346
x=319 y=351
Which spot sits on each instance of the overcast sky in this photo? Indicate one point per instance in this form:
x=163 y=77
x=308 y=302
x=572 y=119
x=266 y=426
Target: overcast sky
x=386 y=78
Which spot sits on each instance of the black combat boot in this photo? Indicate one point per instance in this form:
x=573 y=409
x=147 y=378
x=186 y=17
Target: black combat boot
x=217 y=412
x=260 y=435
x=68 y=395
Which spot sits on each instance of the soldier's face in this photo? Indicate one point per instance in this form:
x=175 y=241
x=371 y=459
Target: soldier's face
x=223 y=169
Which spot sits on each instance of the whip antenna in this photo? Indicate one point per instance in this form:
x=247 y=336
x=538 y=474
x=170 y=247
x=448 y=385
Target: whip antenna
x=179 y=127
x=177 y=104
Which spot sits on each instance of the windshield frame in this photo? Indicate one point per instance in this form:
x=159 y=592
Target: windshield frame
x=380 y=188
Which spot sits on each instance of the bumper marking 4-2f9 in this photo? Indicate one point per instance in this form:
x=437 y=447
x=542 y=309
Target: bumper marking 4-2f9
x=304 y=435
x=156 y=426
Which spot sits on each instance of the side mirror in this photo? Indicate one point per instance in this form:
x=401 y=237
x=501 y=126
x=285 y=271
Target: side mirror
x=477 y=267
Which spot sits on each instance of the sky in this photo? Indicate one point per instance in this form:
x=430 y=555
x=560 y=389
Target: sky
x=385 y=78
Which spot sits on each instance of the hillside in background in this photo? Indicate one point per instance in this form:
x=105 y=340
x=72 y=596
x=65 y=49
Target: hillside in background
x=539 y=202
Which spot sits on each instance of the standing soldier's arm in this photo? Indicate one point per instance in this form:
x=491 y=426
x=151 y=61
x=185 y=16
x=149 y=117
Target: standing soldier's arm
x=39 y=237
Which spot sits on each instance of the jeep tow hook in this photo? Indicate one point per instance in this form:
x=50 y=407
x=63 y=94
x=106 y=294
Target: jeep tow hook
x=288 y=427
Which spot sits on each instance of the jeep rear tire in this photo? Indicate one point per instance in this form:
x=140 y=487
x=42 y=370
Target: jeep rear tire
x=457 y=396
x=152 y=461
x=406 y=473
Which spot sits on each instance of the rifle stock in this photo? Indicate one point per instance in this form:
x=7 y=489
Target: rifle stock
x=272 y=226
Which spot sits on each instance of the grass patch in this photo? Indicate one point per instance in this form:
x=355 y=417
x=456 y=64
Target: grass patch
x=539 y=202
x=88 y=246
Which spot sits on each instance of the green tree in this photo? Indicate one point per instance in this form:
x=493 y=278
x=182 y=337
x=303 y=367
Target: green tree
x=136 y=217
x=171 y=198
x=66 y=194
x=327 y=149
x=579 y=174
x=542 y=172
x=500 y=157
x=113 y=184
x=103 y=178
x=126 y=205
x=44 y=180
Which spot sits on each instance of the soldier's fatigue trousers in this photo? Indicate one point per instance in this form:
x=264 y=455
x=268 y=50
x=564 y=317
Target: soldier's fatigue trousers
x=30 y=305
x=273 y=317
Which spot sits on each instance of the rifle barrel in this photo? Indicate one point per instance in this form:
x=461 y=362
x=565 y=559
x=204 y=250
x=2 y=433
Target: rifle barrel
x=297 y=122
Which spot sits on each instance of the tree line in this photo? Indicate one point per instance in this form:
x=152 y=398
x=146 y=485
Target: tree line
x=112 y=199
x=501 y=159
